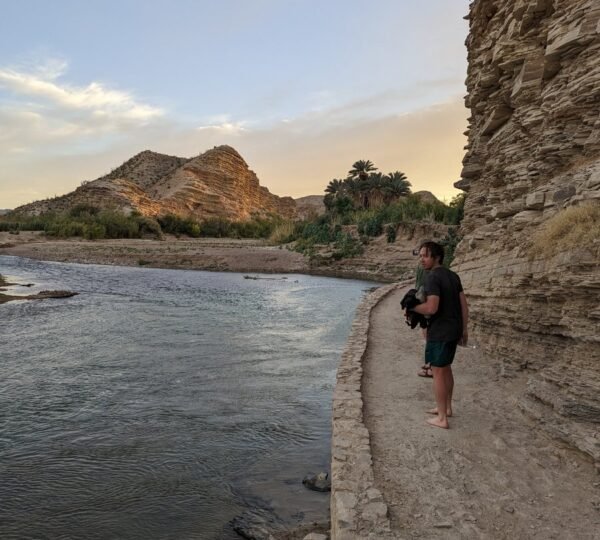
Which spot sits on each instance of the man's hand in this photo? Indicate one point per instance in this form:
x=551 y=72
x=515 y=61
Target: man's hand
x=464 y=339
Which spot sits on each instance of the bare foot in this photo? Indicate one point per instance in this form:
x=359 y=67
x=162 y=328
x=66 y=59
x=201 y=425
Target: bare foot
x=435 y=411
x=436 y=422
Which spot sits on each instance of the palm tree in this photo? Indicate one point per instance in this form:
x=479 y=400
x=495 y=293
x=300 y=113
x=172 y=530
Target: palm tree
x=397 y=186
x=335 y=187
x=352 y=189
x=377 y=187
x=364 y=190
x=361 y=169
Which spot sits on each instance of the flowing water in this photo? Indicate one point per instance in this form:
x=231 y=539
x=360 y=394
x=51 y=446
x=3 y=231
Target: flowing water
x=164 y=403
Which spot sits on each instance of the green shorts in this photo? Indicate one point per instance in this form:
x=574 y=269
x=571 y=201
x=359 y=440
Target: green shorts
x=440 y=353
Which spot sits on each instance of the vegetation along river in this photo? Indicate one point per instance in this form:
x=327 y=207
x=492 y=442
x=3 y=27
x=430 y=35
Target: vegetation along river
x=165 y=403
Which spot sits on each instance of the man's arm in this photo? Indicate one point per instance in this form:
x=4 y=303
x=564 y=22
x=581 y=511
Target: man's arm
x=464 y=308
x=429 y=307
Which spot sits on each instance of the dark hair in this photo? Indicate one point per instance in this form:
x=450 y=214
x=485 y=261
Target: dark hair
x=434 y=250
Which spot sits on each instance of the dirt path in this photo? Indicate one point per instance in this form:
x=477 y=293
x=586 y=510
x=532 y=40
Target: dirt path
x=492 y=475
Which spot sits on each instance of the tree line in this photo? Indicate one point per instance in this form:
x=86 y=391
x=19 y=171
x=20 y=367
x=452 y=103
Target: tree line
x=365 y=187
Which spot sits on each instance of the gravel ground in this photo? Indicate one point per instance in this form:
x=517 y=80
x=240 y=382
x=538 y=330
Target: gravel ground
x=493 y=474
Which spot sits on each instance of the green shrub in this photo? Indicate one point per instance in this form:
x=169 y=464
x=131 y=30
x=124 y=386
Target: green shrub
x=83 y=211
x=456 y=210
x=177 y=225
x=87 y=222
x=408 y=210
x=390 y=232
x=450 y=241
x=149 y=226
x=94 y=231
x=65 y=228
x=118 y=225
x=371 y=224
x=216 y=228
x=343 y=205
x=9 y=226
x=346 y=246
x=254 y=228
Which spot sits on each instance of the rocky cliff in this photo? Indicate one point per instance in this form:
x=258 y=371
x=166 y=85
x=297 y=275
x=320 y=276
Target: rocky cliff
x=532 y=177
x=217 y=183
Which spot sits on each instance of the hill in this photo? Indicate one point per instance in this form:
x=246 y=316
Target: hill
x=310 y=206
x=217 y=183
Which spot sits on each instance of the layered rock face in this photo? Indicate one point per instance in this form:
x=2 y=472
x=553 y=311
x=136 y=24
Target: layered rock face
x=217 y=183
x=533 y=154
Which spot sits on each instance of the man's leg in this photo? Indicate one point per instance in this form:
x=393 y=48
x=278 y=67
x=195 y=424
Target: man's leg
x=440 y=390
x=425 y=370
x=449 y=386
x=450 y=389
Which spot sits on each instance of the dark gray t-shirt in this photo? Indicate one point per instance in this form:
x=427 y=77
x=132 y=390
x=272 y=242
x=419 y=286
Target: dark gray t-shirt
x=446 y=324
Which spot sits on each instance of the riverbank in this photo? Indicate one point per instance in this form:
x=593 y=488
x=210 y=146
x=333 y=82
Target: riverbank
x=189 y=253
x=381 y=261
x=493 y=474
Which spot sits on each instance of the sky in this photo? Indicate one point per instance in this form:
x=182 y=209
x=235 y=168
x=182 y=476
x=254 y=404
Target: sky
x=300 y=88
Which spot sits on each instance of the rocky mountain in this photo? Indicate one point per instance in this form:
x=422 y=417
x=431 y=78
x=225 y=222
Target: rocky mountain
x=533 y=166
x=310 y=206
x=217 y=183
x=427 y=197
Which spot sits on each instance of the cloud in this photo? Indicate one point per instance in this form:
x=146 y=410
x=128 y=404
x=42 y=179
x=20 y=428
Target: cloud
x=94 y=97
x=295 y=156
x=40 y=114
x=292 y=157
x=224 y=128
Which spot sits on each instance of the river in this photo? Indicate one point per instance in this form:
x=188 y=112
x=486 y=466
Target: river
x=165 y=403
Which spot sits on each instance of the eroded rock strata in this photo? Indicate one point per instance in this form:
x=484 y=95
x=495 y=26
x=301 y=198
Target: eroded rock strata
x=217 y=183
x=533 y=155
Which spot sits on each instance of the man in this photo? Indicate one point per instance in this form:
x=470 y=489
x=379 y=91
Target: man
x=446 y=305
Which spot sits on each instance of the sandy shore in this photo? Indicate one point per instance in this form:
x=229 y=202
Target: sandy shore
x=197 y=254
x=381 y=262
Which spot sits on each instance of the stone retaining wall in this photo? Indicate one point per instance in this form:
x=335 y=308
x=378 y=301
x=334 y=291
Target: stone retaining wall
x=357 y=506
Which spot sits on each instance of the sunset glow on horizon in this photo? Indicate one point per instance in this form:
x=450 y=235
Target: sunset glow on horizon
x=300 y=89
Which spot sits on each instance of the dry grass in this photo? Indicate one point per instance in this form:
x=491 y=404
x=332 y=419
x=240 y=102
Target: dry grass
x=573 y=227
x=282 y=233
